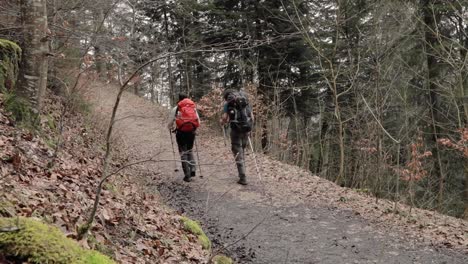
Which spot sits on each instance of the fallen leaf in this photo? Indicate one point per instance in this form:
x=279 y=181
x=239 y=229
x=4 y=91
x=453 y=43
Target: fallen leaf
x=106 y=214
x=16 y=161
x=28 y=136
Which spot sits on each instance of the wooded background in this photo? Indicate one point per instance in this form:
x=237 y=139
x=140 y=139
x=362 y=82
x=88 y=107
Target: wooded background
x=369 y=94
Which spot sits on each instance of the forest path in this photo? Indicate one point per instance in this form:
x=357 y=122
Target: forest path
x=287 y=215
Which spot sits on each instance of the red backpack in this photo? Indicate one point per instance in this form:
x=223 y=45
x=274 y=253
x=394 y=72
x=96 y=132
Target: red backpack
x=186 y=117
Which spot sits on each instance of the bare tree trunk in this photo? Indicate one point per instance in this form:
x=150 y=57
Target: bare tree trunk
x=299 y=142
x=99 y=50
x=431 y=18
x=464 y=94
x=169 y=65
x=333 y=86
x=33 y=73
x=187 y=64
x=465 y=212
x=341 y=141
x=324 y=148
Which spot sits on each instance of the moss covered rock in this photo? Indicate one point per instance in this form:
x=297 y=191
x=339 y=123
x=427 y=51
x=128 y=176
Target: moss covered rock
x=10 y=55
x=194 y=228
x=36 y=242
x=221 y=259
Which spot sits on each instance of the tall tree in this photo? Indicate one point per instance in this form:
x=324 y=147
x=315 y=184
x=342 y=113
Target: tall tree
x=33 y=74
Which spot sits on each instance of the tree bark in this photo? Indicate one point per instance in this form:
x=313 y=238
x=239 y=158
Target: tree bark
x=464 y=98
x=33 y=72
x=430 y=18
x=172 y=96
x=99 y=49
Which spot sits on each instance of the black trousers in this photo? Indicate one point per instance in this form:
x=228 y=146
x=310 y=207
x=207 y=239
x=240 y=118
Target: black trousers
x=185 y=142
x=239 y=141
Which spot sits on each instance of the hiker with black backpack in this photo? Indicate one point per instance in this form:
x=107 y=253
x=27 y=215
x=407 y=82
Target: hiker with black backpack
x=238 y=113
x=187 y=121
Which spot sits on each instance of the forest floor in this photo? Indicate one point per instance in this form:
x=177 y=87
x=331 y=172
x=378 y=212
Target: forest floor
x=286 y=215
x=132 y=225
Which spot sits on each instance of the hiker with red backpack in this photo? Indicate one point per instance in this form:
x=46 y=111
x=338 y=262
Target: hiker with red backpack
x=187 y=121
x=238 y=113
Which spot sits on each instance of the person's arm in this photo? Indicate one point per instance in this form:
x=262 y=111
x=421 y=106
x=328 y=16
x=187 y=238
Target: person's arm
x=224 y=117
x=172 y=114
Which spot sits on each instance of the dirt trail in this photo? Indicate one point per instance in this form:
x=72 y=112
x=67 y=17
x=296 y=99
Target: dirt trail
x=291 y=218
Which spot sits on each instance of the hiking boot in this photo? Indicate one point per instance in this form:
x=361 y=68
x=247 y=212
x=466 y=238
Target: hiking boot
x=187 y=179
x=242 y=180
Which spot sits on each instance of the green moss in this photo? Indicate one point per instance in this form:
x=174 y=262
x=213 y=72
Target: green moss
x=93 y=243
x=111 y=188
x=363 y=190
x=51 y=142
x=221 y=259
x=51 y=122
x=21 y=110
x=10 y=55
x=204 y=241
x=10 y=45
x=36 y=242
x=194 y=228
x=7 y=209
x=82 y=230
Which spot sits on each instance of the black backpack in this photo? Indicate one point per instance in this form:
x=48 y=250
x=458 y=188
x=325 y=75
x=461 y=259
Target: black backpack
x=239 y=112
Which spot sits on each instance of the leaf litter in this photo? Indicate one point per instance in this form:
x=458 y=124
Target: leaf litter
x=132 y=225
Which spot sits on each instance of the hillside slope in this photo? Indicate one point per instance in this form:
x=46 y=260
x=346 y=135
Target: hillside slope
x=285 y=215
x=132 y=225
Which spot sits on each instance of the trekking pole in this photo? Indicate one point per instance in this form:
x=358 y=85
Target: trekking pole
x=173 y=151
x=198 y=159
x=255 y=158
